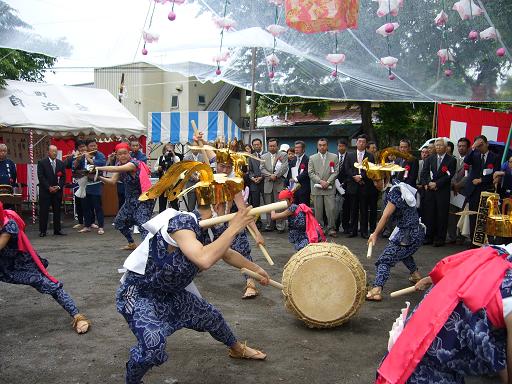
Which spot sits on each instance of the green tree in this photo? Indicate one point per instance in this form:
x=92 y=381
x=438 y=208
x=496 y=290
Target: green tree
x=21 y=65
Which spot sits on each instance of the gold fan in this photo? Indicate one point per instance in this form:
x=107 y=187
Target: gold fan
x=374 y=171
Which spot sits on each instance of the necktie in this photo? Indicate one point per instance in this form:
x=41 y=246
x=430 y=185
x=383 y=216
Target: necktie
x=53 y=165
x=359 y=157
x=273 y=159
x=439 y=159
x=483 y=160
x=259 y=156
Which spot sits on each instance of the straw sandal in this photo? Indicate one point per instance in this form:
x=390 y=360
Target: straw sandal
x=129 y=247
x=415 y=277
x=374 y=295
x=79 y=328
x=258 y=355
x=250 y=290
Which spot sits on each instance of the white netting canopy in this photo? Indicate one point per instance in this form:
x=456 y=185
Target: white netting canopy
x=474 y=39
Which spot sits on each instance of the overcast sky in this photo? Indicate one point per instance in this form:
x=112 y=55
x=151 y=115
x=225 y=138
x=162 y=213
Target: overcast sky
x=107 y=32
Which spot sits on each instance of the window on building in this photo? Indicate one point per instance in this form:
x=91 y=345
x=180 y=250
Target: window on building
x=174 y=102
x=201 y=100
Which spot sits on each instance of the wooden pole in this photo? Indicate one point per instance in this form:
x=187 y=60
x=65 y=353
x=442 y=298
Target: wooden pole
x=507 y=144
x=262 y=247
x=258 y=277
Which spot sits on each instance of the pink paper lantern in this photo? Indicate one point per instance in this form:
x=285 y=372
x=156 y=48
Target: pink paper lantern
x=500 y=52
x=473 y=35
x=391 y=77
x=448 y=72
x=271 y=74
x=171 y=16
x=321 y=15
x=218 y=72
x=144 y=51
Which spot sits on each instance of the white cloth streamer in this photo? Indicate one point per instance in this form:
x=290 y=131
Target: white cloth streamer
x=82 y=187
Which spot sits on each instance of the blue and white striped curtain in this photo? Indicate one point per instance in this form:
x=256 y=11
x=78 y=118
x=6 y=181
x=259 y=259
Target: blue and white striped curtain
x=176 y=127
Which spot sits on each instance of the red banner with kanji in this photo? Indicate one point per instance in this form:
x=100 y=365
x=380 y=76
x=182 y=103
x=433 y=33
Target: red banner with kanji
x=456 y=122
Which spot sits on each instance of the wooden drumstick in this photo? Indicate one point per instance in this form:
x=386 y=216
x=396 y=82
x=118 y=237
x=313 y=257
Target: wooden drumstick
x=370 y=249
x=280 y=205
x=404 y=291
x=258 y=277
x=261 y=246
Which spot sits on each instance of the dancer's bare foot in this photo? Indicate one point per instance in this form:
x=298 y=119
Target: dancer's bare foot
x=81 y=324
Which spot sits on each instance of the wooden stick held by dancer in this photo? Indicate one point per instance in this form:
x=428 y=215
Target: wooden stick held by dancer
x=258 y=277
x=254 y=212
x=196 y=133
x=262 y=247
x=404 y=291
x=370 y=250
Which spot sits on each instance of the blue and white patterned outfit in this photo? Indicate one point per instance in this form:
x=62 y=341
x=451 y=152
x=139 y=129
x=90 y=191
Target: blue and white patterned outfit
x=467 y=345
x=156 y=304
x=297 y=228
x=17 y=267
x=405 y=243
x=133 y=212
x=241 y=241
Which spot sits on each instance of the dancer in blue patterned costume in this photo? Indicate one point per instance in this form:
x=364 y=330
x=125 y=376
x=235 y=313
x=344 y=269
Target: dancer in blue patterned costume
x=156 y=303
x=471 y=342
x=303 y=228
x=133 y=212
x=405 y=240
x=20 y=264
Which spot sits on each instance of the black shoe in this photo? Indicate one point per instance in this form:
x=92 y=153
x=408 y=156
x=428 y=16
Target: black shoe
x=346 y=232
x=365 y=235
x=42 y=234
x=439 y=244
x=60 y=233
x=280 y=231
x=427 y=242
x=352 y=235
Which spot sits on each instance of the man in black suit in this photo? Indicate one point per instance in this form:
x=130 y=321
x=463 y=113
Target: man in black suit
x=299 y=169
x=483 y=164
x=410 y=174
x=255 y=177
x=359 y=187
x=436 y=176
x=343 y=217
x=51 y=173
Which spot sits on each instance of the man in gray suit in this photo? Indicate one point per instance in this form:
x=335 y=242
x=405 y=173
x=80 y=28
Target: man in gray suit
x=193 y=155
x=273 y=168
x=323 y=170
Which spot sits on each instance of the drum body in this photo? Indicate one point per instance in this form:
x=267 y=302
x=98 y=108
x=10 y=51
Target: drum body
x=324 y=285
x=6 y=190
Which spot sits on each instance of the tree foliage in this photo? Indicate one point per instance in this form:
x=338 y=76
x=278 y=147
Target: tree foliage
x=281 y=105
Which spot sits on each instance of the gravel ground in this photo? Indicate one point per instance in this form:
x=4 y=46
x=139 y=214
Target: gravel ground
x=37 y=344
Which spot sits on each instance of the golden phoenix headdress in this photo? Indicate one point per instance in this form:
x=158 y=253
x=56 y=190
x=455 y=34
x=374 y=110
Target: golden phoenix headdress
x=375 y=172
x=210 y=189
x=226 y=156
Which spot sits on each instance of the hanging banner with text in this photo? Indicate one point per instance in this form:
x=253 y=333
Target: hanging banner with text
x=456 y=122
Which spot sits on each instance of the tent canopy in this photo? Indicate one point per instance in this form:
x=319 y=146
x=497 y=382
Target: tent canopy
x=176 y=127
x=65 y=111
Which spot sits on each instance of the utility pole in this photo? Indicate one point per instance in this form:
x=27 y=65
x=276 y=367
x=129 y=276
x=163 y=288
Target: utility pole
x=252 y=125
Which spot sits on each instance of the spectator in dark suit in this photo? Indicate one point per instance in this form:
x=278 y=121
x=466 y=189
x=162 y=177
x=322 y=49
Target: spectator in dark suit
x=410 y=175
x=343 y=216
x=436 y=177
x=255 y=177
x=51 y=173
x=359 y=187
x=483 y=164
x=300 y=164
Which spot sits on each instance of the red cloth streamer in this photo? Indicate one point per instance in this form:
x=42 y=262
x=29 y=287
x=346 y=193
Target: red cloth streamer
x=474 y=277
x=23 y=241
x=122 y=146
x=285 y=194
x=144 y=173
x=313 y=229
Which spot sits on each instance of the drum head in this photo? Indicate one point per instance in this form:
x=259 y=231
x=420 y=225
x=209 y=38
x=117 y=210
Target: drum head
x=325 y=289
x=324 y=285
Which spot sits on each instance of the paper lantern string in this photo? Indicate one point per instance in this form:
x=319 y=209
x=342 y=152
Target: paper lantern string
x=275 y=30
x=222 y=26
x=144 y=50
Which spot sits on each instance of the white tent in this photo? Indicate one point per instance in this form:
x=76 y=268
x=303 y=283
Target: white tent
x=60 y=110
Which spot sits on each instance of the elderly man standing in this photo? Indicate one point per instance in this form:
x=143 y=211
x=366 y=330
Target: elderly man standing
x=436 y=177
x=52 y=175
x=7 y=171
x=323 y=170
x=273 y=168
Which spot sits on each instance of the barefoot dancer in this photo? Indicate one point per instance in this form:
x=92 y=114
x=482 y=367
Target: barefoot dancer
x=405 y=240
x=134 y=175
x=303 y=228
x=20 y=264
x=153 y=297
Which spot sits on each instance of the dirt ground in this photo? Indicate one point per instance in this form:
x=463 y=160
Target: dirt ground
x=37 y=344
